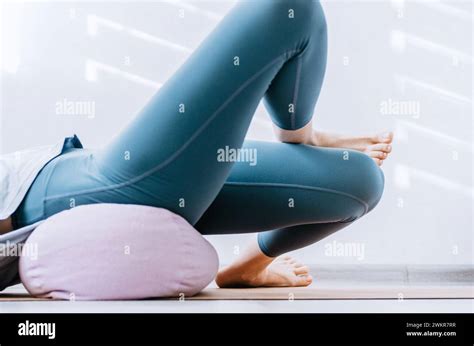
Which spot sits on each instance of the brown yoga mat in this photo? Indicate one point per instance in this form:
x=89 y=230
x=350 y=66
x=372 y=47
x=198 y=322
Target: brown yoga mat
x=334 y=292
x=312 y=293
x=19 y=297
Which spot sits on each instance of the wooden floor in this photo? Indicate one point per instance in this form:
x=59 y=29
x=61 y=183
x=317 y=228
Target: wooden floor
x=396 y=274
x=365 y=282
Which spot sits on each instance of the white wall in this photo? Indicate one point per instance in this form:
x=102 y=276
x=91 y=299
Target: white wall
x=114 y=54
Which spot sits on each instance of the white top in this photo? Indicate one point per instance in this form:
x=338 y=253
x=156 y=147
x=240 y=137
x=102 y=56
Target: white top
x=18 y=170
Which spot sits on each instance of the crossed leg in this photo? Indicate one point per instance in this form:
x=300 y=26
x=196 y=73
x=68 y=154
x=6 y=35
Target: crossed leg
x=298 y=195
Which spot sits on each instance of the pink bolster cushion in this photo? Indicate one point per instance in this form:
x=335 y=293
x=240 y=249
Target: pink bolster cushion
x=116 y=251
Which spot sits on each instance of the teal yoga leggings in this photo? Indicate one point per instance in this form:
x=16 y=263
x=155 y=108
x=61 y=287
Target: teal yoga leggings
x=180 y=151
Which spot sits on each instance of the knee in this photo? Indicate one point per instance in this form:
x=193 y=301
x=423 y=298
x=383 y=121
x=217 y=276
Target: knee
x=367 y=179
x=308 y=15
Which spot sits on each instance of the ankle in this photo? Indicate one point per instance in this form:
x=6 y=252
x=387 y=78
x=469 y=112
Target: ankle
x=323 y=139
x=250 y=264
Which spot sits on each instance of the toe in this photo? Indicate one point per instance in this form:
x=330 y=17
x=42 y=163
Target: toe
x=301 y=270
x=385 y=137
x=378 y=161
x=378 y=155
x=386 y=148
x=302 y=280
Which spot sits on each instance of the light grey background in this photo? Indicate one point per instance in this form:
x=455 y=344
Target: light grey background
x=116 y=54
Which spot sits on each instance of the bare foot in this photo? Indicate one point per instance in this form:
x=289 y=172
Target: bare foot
x=281 y=272
x=377 y=147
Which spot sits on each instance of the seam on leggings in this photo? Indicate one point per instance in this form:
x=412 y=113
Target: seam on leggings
x=295 y=92
x=46 y=185
x=184 y=146
x=304 y=187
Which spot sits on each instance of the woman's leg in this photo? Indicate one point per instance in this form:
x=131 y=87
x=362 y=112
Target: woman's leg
x=274 y=49
x=168 y=155
x=297 y=194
